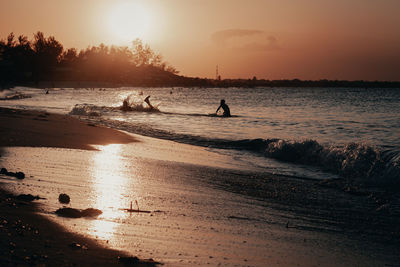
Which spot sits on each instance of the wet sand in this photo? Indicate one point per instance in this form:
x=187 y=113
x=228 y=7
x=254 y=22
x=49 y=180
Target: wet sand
x=41 y=129
x=257 y=219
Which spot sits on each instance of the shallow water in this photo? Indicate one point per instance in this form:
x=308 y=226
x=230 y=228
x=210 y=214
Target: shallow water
x=282 y=118
x=332 y=115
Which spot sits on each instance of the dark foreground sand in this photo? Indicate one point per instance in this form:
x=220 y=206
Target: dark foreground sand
x=27 y=238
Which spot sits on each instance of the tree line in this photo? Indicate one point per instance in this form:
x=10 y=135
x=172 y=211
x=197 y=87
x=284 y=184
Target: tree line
x=28 y=62
x=45 y=59
x=323 y=83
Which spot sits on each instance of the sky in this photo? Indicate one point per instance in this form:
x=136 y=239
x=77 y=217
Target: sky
x=269 y=39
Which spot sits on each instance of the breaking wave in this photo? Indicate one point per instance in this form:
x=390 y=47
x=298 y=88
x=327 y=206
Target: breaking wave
x=354 y=161
x=351 y=160
x=130 y=103
x=89 y=110
x=12 y=95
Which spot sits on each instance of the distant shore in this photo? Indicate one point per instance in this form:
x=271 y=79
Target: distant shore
x=182 y=81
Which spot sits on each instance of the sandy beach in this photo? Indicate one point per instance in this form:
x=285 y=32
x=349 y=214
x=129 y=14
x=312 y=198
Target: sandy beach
x=202 y=208
x=28 y=238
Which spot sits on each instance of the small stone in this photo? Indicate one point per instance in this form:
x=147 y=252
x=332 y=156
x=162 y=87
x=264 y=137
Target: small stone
x=64 y=199
x=69 y=212
x=91 y=212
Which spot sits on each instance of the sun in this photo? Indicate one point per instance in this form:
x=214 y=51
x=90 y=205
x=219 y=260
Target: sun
x=128 y=21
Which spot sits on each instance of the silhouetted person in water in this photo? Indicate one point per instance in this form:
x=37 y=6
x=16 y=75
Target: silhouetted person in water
x=225 y=108
x=147 y=100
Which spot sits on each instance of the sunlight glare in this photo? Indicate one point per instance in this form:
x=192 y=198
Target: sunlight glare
x=128 y=21
x=110 y=184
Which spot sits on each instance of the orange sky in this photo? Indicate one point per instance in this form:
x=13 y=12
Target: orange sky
x=273 y=39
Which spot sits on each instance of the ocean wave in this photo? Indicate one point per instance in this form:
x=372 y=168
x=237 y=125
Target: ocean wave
x=89 y=110
x=131 y=103
x=359 y=162
x=12 y=95
x=354 y=161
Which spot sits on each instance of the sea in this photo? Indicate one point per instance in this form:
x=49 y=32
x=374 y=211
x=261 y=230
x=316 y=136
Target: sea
x=313 y=133
x=188 y=157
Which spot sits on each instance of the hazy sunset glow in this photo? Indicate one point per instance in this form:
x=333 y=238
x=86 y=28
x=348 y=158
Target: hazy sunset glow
x=129 y=20
x=313 y=39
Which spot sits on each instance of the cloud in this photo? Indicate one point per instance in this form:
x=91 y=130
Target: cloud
x=221 y=37
x=245 y=39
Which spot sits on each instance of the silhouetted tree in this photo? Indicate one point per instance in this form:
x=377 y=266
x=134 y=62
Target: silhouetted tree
x=69 y=56
x=47 y=55
x=17 y=56
x=48 y=51
x=142 y=53
x=44 y=59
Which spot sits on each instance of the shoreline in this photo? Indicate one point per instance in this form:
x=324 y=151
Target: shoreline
x=327 y=205
x=184 y=81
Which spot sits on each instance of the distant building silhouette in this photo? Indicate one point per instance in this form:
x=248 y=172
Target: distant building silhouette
x=217 y=76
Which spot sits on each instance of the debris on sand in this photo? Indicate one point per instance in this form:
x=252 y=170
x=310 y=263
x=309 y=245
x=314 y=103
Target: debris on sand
x=28 y=197
x=64 y=199
x=75 y=245
x=76 y=213
x=18 y=175
x=136 y=210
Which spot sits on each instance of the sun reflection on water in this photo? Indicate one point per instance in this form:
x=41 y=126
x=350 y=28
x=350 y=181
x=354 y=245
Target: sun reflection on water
x=110 y=189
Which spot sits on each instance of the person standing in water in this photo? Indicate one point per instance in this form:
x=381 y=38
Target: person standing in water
x=225 y=108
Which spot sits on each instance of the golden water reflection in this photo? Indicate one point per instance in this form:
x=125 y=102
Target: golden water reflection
x=109 y=189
